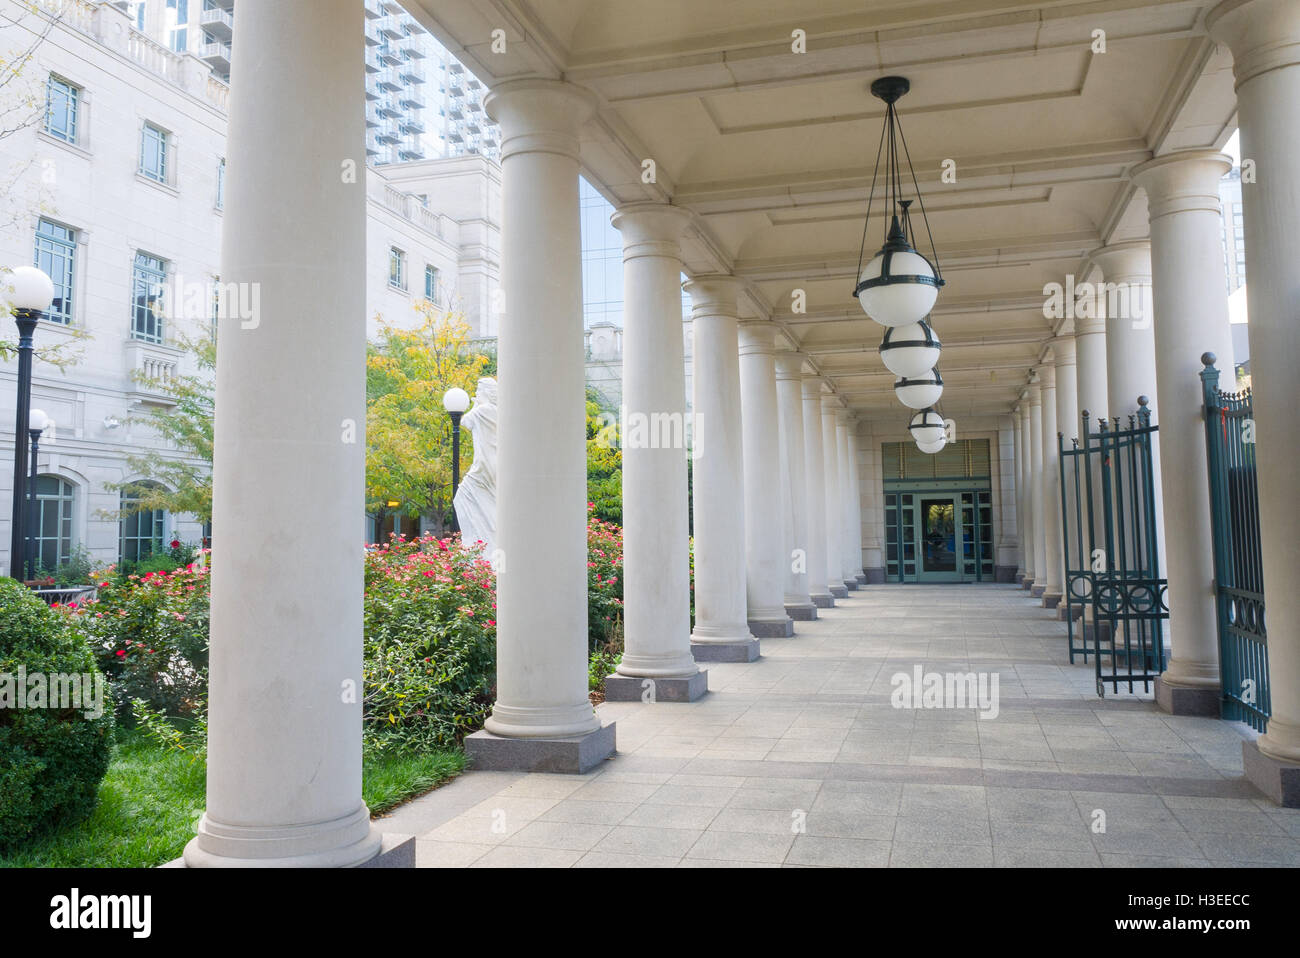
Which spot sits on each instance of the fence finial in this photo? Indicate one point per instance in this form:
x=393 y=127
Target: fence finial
x=1208 y=359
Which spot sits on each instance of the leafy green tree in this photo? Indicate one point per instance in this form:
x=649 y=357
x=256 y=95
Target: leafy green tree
x=604 y=460
x=181 y=485
x=408 y=433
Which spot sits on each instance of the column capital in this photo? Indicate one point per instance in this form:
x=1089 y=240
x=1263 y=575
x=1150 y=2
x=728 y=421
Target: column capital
x=1124 y=261
x=539 y=115
x=831 y=403
x=757 y=336
x=789 y=365
x=651 y=229
x=1263 y=35
x=1064 y=350
x=812 y=386
x=1182 y=181
x=713 y=294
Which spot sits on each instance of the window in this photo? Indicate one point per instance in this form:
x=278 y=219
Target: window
x=431 y=283
x=153 y=153
x=148 y=277
x=221 y=184
x=56 y=248
x=396 y=268
x=178 y=16
x=141 y=533
x=61 y=102
x=53 y=531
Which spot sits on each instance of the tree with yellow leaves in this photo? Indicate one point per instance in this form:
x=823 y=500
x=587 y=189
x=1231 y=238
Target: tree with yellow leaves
x=408 y=433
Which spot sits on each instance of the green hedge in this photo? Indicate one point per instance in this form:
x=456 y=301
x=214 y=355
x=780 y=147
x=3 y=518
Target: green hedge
x=52 y=759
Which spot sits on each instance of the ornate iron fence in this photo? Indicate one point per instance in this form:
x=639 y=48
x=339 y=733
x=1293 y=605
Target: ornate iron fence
x=1238 y=565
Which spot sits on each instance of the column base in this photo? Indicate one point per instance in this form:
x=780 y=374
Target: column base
x=772 y=628
x=738 y=651
x=395 y=851
x=1020 y=578
x=1065 y=611
x=838 y=591
x=342 y=843
x=1027 y=583
x=1051 y=600
x=573 y=755
x=631 y=688
x=1181 y=700
x=1004 y=573
x=801 y=611
x=826 y=601
x=862 y=578
x=875 y=576
x=1037 y=591
x=1094 y=631
x=851 y=585
x=1278 y=780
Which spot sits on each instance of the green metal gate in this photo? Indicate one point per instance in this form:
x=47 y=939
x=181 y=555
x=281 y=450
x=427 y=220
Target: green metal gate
x=1238 y=565
x=1109 y=537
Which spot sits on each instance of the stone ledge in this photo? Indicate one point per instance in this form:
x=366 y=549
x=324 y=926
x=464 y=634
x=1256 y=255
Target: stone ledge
x=770 y=629
x=801 y=612
x=395 y=851
x=1279 y=781
x=740 y=651
x=574 y=755
x=632 y=688
x=1175 y=700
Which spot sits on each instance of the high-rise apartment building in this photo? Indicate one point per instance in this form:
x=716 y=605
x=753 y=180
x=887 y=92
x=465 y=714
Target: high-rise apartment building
x=421 y=103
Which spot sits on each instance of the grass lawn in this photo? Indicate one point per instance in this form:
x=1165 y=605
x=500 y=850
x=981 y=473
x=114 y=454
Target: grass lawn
x=150 y=800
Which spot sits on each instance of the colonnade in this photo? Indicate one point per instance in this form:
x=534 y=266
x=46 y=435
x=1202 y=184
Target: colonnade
x=773 y=541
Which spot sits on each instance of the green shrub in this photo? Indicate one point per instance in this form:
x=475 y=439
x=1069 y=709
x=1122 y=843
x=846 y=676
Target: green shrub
x=430 y=643
x=150 y=635
x=52 y=759
x=604 y=582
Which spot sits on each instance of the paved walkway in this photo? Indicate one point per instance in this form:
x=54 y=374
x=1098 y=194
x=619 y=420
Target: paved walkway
x=800 y=759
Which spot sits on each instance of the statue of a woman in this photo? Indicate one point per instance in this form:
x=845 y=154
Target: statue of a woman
x=476 y=499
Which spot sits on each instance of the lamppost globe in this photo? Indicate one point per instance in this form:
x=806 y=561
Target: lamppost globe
x=927 y=427
x=898 y=287
x=37 y=421
x=31 y=289
x=921 y=391
x=455 y=400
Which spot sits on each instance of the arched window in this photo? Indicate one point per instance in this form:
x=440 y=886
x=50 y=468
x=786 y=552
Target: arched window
x=53 y=527
x=141 y=532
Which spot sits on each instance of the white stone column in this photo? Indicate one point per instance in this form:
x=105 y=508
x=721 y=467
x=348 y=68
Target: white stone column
x=815 y=478
x=1067 y=426
x=855 y=505
x=1026 y=490
x=1264 y=36
x=541 y=467
x=1191 y=316
x=765 y=559
x=1007 y=554
x=794 y=486
x=1090 y=347
x=721 y=631
x=284 y=739
x=1017 y=418
x=1054 y=570
x=1131 y=357
x=850 y=555
x=1036 y=484
x=873 y=557
x=834 y=499
x=656 y=555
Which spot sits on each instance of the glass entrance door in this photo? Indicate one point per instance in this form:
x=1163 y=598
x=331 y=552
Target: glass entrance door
x=938 y=537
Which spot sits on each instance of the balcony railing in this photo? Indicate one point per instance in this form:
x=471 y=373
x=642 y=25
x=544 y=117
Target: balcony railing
x=220 y=23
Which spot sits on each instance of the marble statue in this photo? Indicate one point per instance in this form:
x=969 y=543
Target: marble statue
x=476 y=499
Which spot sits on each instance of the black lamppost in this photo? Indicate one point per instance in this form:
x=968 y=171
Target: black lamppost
x=37 y=423
x=31 y=293
x=455 y=401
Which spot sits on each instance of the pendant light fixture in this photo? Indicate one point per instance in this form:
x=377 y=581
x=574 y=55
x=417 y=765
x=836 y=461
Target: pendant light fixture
x=927 y=426
x=910 y=350
x=899 y=285
x=920 y=392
